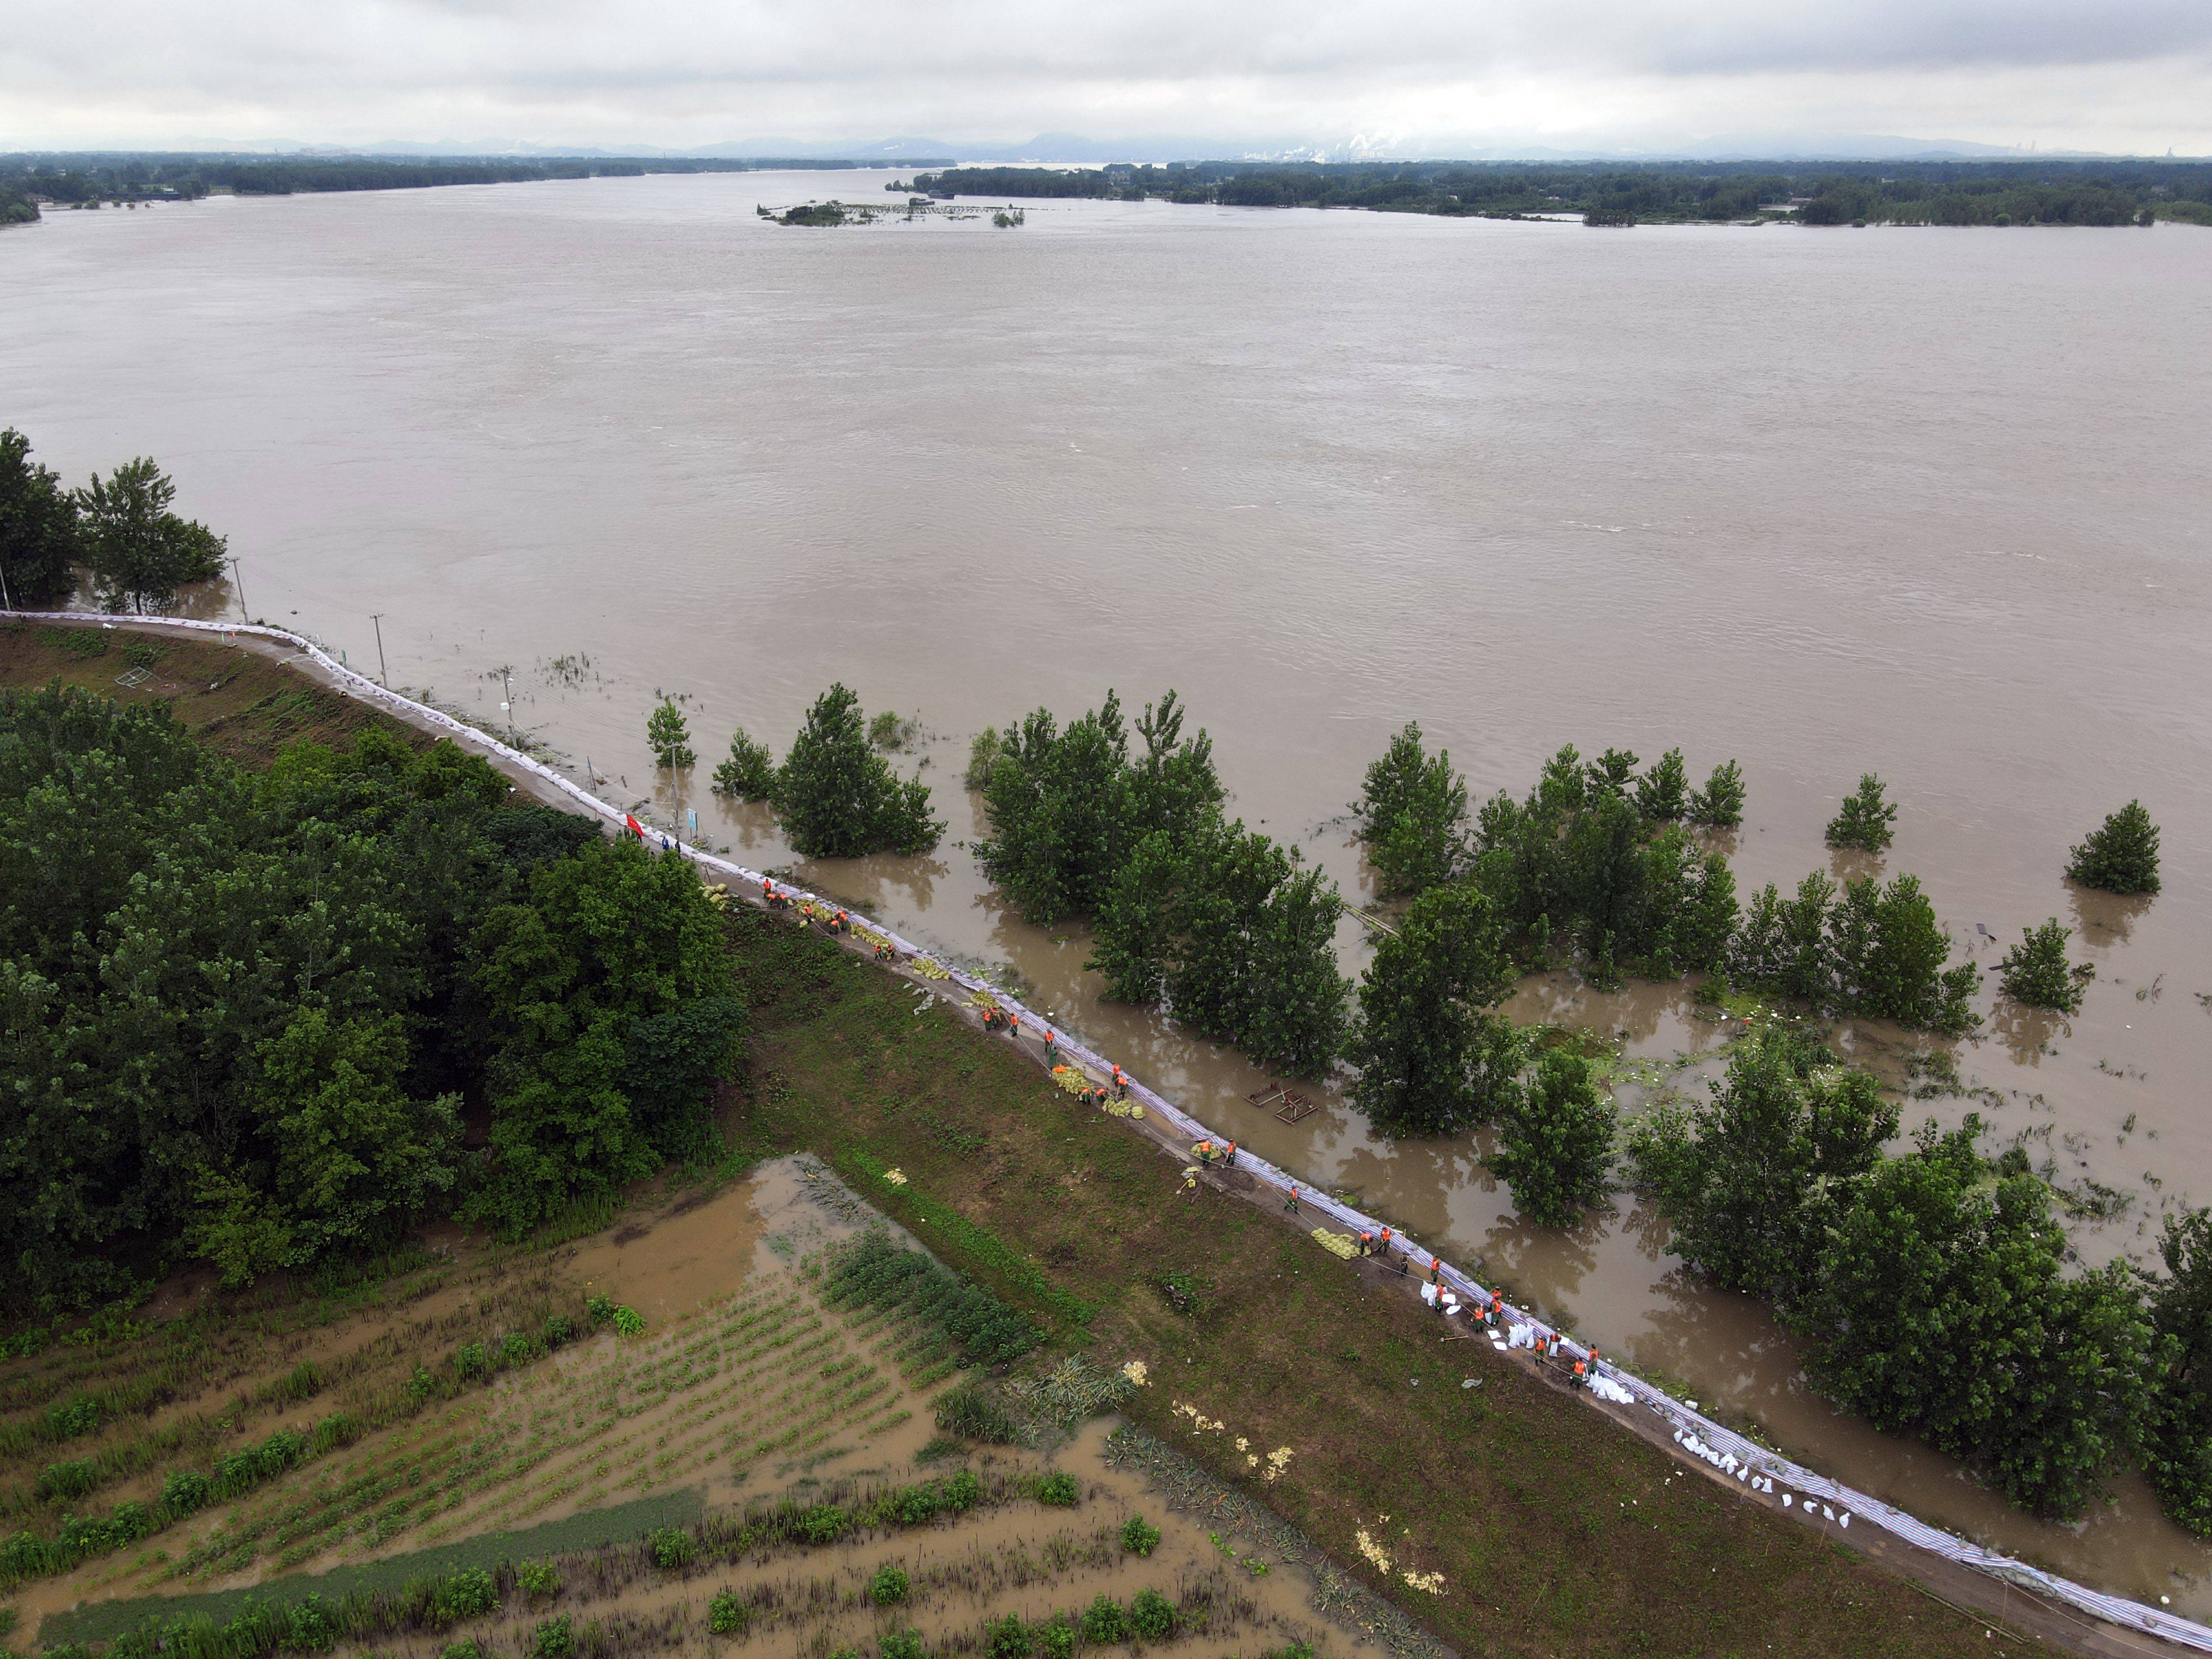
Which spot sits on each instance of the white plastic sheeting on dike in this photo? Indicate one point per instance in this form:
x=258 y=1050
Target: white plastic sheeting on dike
x=1732 y=1456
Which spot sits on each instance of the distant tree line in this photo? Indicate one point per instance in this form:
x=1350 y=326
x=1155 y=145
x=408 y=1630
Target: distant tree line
x=75 y=180
x=259 y=1018
x=2114 y=192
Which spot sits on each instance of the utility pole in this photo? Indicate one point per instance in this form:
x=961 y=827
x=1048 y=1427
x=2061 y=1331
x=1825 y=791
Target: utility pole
x=507 y=680
x=6 y=604
x=383 y=676
x=238 y=587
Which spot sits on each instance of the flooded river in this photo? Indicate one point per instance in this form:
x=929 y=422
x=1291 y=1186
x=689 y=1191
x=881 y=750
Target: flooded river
x=1932 y=503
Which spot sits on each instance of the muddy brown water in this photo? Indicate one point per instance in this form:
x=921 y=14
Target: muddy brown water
x=1930 y=503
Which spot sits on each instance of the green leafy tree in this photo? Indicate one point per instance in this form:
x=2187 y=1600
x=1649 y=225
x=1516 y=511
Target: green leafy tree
x=1061 y=807
x=1719 y=805
x=839 y=799
x=749 y=773
x=1939 y=1306
x=668 y=734
x=1555 y=1141
x=40 y=539
x=2178 y=1444
x=1434 y=1057
x=595 y=988
x=141 y=553
x=1412 y=814
x=1611 y=775
x=1662 y=794
x=1870 y=950
x=353 y=1159
x=1867 y=821
x=2120 y=856
x=1751 y=1180
x=2035 y=971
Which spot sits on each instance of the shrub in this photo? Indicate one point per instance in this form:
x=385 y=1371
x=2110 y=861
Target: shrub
x=79 y=1414
x=727 y=1613
x=825 y=1523
x=1866 y=821
x=1057 y=1638
x=1010 y=1638
x=334 y=1430
x=313 y=1629
x=185 y=1491
x=538 y=1577
x=962 y=1491
x=470 y=1361
x=559 y=1329
x=516 y=1350
x=1152 y=1616
x=1139 y=1536
x=749 y=774
x=628 y=1322
x=902 y=1644
x=2120 y=856
x=421 y=1385
x=2035 y=971
x=601 y=1307
x=467 y=1650
x=1059 y=1489
x=1104 y=1621
x=553 y=1640
x=672 y=1548
x=919 y=1504
x=468 y=1594
x=62 y=1481
x=890 y=1585
x=973 y=1414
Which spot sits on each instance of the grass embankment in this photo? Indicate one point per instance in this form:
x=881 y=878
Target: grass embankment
x=1552 y=1532
x=236 y=701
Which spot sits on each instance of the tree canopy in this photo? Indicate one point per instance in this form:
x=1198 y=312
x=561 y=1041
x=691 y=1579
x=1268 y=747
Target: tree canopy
x=2120 y=856
x=838 y=798
x=40 y=539
x=244 y=1017
x=141 y=553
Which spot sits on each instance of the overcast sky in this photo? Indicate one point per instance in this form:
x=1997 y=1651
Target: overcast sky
x=2130 y=75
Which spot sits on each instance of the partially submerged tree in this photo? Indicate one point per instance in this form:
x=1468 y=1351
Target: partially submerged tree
x=1434 y=1056
x=1555 y=1141
x=1867 y=821
x=40 y=539
x=2120 y=856
x=2035 y=971
x=2178 y=1444
x=838 y=798
x=1236 y=935
x=748 y=773
x=1719 y=805
x=1412 y=814
x=141 y=553
x=1877 y=952
x=669 y=735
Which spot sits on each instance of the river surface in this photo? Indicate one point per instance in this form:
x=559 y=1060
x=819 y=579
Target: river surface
x=1932 y=503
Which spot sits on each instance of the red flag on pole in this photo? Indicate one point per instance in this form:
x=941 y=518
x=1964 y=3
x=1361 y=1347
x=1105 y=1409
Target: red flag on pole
x=634 y=826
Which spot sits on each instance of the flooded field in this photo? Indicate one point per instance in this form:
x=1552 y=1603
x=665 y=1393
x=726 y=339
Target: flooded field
x=742 y=1389
x=1924 y=502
